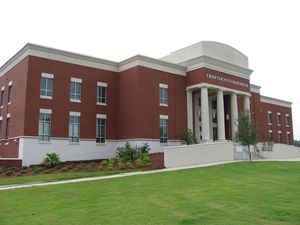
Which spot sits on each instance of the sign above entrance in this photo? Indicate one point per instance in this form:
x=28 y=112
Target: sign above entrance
x=227 y=80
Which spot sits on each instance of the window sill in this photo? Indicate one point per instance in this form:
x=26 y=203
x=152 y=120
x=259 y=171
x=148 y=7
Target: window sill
x=164 y=105
x=75 y=100
x=164 y=144
x=9 y=103
x=1 y=107
x=45 y=97
x=44 y=142
x=74 y=143
x=101 y=144
x=104 y=104
x=270 y=124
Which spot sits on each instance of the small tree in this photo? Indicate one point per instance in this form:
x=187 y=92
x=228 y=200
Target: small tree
x=246 y=134
x=188 y=137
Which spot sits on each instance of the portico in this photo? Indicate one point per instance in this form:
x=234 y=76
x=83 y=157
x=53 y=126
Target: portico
x=206 y=111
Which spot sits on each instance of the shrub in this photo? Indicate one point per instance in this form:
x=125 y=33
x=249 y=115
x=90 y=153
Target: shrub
x=102 y=164
x=188 y=137
x=80 y=167
x=144 y=149
x=69 y=167
x=139 y=162
x=110 y=165
x=121 y=165
x=2 y=170
x=51 y=160
x=147 y=160
x=127 y=152
x=8 y=172
x=65 y=169
x=37 y=169
x=129 y=165
x=90 y=166
x=23 y=171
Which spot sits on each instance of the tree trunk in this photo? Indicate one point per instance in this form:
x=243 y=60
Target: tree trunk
x=249 y=153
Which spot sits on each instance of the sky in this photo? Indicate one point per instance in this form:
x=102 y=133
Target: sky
x=266 y=31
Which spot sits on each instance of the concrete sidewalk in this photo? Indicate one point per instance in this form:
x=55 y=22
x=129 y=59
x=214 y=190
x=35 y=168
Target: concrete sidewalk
x=8 y=187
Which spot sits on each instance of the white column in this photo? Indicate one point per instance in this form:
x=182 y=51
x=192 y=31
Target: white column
x=197 y=111
x=247 y=104
x=204 y=114
x=234 y=114
x=221 y=116
x=189 y=98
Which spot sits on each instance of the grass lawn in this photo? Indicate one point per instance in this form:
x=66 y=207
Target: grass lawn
x=59 y=176
x=259 y=193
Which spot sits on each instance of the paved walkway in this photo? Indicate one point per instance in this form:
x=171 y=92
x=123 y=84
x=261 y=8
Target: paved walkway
x=8 y=187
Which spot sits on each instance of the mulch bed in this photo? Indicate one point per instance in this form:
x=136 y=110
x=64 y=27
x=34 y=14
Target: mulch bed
x=81 y=166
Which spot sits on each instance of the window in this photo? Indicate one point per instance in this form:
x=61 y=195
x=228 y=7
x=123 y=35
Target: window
x=287 y=120
x=2 y=97
x=278 y=118
x=270 y=135
x=163 y=94
x=7 y=126
x=46 y=90
x=279 y=137
x=10 y=92
x=163 y=129
x=288 y=138
x=270 y=117
x=75 y=90
x=45 y=124
x=74 y=126
x=101 y=93
x=100 y=128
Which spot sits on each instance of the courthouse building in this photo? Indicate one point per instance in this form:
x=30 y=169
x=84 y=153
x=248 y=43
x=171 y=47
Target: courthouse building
x=83 y=107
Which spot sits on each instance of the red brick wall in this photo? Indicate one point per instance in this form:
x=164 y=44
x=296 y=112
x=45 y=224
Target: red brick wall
x=139 y=103
x=200 y=76
x=264 y=127
x=61 y=105
x=18 y=75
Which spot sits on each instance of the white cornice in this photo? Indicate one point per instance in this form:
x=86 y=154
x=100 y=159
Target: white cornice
x=58 y=55
x=275 y=101
x=83 y=60
x=140 y=60
x=218 y=65
x=255 y=88
x=217 y=87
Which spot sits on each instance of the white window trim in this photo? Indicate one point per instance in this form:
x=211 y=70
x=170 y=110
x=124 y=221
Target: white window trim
x=164 y=117
x=74 y=113
x=270 y=131
x=1 y=118
x=278 y=113
x=8 y=115
x=101 y=116
x=102 y=84
x=48 y=111
x=45 y=97
x=77 y=80
x=161 y=85
x=10 y=83
x=2 y=88
x=99 y=103
x=279 y=132
x=165 y=86
x=75 y=100
x=288 y=132
x=47 y=75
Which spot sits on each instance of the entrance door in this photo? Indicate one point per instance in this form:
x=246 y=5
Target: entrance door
x=215 y=133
